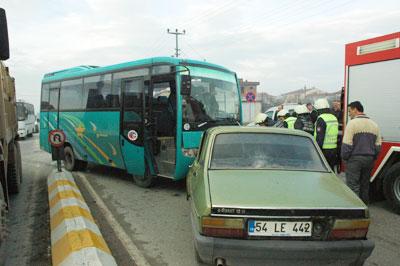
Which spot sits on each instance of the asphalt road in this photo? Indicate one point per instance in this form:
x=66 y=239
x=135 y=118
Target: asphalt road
x=156 y=219
x=158 y=222
x=28 y=242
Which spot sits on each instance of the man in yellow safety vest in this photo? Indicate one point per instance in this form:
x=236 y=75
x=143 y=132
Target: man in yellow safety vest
x=326 y=131
x=289 y=121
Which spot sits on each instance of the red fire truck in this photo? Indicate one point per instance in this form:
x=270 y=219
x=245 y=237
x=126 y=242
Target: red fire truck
x=372 y=76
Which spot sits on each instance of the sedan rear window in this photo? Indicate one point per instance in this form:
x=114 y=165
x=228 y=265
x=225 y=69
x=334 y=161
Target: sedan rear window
x=265 y=151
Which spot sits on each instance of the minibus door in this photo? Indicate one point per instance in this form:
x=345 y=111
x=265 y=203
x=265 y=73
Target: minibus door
x=132 y=126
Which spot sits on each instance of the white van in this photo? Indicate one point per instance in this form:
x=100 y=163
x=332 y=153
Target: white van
x=26 y=119
x=272 y=112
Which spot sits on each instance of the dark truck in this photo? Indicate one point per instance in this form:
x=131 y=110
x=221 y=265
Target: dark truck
x=10 y=156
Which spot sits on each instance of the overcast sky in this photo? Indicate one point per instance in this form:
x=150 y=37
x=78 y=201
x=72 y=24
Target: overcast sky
x=284 y=44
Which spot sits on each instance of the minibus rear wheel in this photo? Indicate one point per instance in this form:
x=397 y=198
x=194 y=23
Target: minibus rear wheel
x=70 y=161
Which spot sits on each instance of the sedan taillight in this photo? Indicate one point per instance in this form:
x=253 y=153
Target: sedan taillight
x=349 y=229
x=223 y=227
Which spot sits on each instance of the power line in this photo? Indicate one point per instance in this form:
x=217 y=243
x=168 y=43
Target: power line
x=321 y=13
x=195 y=50
x=297 y=21
x=157 y=45
x=283 y=12
x=212 y=12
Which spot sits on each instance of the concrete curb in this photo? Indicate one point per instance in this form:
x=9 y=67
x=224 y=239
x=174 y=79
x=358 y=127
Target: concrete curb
x=75 y=237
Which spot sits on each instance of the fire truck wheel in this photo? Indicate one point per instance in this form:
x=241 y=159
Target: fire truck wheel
x=391 y=187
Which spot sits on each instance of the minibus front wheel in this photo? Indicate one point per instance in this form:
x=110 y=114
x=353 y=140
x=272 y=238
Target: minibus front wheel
x=145 y=181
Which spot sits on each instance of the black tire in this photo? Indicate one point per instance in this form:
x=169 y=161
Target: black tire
x=13 y=170
x=70 y=161
x=3 y=212
x=19 y=160
x=391 y=187
x=82 y=165
x=376 y=190
x=145 y=181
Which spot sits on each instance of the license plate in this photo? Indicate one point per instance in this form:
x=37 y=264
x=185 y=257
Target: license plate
x=279 y=228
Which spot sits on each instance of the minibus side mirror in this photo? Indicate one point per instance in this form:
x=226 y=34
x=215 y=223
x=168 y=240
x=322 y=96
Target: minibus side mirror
x=4 y=48
x=186 y=85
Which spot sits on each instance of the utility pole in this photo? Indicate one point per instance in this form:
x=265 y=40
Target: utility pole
x=176 y=33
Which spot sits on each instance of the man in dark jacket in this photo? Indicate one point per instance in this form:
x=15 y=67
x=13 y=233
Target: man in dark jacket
x=303 y=121
x=282 y=115
x=312 y=111
x=337 y=111
x=361 y=145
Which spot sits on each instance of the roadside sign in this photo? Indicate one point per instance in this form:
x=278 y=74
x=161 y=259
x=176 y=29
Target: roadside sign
x=250 y=97
x=57 y=138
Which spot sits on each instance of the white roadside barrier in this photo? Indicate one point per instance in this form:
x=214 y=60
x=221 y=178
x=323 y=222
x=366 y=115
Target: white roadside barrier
x=75 y=237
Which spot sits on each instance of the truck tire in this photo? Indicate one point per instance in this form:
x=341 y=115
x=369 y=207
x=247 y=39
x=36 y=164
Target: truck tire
x=391 y=187
x=19 y=161
x=70 y=161
x=13 y=170
x=3 y=212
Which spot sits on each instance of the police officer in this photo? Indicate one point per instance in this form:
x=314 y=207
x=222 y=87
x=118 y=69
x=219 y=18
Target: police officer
x=260 y=119
x=303 y=121
x=337 y=111
x=282 y=115
x=312 y=111
x=289 y=121
x=326 y=131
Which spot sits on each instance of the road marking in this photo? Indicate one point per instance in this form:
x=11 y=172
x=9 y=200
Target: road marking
x=130 y=247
